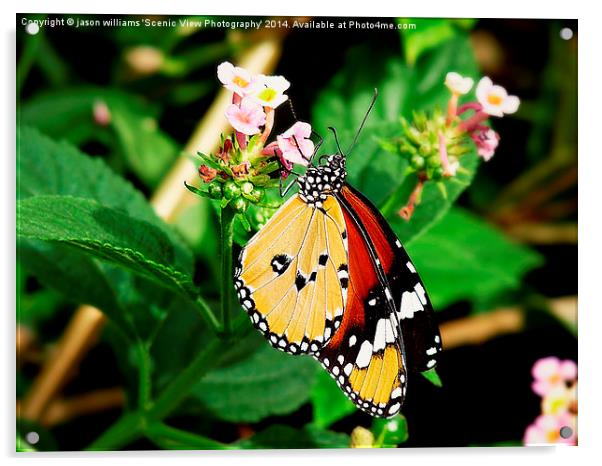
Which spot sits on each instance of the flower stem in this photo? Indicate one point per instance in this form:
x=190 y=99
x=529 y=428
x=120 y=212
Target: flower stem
x=226 y=230
x=180 y=387
x=475 y=120
x=269 y=124
x=127 y=429
x=144 y=378
x=208 y=315
x=171 y=438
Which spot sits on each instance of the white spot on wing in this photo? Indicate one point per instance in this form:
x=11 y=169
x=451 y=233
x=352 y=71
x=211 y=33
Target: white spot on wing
x=410 y=303
x=396 y=393
x=380 y=335
x=364 y=355
x=431 y=363
x=348 y=368
x=352 y=340
x=431 y=351
x=411 y=267
x=420 y=292
x=394 y=408
x=389 y=332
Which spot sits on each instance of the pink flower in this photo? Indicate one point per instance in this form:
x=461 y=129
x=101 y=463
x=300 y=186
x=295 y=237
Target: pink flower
x=486 y=142
x=247 y=118
x=551 y=372
x=495 y=99
x=237 y=79
x=295 y=145
x=547 y=430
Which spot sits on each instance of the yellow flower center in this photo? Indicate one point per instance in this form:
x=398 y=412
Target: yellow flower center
x=267 y=95
x=240 y=81
x=494 y=99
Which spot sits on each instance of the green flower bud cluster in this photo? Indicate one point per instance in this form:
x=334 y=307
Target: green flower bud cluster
x=420 y=143
x=235 y=176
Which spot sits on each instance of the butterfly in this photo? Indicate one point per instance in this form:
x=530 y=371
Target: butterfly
x=328 y=277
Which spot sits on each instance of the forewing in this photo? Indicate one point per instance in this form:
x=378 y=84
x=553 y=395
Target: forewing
x=291 y=277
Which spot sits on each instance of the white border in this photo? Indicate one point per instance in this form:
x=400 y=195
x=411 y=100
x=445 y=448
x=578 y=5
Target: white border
x=590 y=172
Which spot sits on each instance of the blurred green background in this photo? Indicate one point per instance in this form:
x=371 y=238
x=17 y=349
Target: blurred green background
x=499 y=252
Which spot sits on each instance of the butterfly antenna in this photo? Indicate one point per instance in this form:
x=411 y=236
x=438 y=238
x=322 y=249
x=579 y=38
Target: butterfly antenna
x=336 y=139
x=364 y=120
x=290 y=104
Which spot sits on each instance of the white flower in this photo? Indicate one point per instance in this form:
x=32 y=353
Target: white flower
x=494 y=99
x=237 y=79
x=457 y=83
x=272 y=93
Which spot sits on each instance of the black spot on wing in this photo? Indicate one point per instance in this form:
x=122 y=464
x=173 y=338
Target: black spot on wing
x=300 y=281
x=280 y=263
x=323 y=259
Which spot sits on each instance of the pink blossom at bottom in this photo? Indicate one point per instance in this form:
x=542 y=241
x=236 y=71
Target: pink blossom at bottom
x=550 y=372
x=546 y=430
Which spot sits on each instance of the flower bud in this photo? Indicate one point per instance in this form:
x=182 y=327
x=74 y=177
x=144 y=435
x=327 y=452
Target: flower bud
x=239 y=204
x=215 y=190
x=231 y=190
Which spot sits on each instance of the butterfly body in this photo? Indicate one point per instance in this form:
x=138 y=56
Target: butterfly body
x=368 y=319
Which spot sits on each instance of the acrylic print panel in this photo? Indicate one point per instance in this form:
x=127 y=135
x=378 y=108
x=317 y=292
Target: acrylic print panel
x=203 y=264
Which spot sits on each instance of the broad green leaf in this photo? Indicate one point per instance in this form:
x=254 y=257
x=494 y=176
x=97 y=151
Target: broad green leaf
x=132 y=131
x=48 y=167
x=402 y=89
x=462 y=257
x=329 y=402
x=105 y=233
x=281 y=436
x=267 y=383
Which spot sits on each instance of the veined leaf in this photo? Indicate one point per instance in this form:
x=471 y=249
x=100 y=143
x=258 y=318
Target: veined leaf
x=267 y=383
x=105 y=233
x=462 y=257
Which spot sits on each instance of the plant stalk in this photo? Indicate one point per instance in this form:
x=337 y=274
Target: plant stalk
x=226 y=236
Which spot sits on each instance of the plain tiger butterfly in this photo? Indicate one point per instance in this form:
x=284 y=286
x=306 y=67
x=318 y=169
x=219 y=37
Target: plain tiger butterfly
x=327 y=276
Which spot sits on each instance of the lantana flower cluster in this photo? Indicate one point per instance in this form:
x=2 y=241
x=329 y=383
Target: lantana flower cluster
x=434 y=143
x=245 y=164
x=555 y=381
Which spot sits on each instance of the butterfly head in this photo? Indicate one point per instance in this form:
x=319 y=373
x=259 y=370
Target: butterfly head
x=323 y=180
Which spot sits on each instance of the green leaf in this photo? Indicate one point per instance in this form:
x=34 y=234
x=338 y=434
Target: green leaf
x=48 y=167
x=329 y=403
x=403 y=89
x=267 y=383
x=281 y=436
x=132 y=132
x=427 y=34
x=462 y=257
x=106 y=233
x=390 y=432
x=432 y=376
